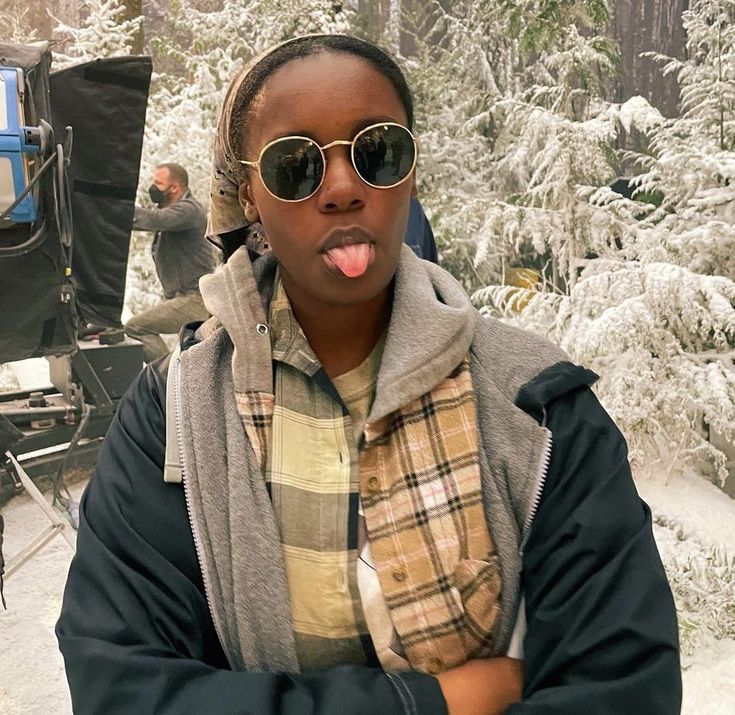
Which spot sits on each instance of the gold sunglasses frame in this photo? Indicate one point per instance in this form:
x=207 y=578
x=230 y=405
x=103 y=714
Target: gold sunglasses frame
x=322 y=149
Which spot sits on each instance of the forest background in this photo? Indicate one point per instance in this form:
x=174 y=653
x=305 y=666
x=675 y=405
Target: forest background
x=578 y=169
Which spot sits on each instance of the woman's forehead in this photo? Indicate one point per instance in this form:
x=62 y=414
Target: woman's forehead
x=322 y=93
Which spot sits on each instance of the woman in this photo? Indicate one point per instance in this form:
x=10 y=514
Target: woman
x=359 y=471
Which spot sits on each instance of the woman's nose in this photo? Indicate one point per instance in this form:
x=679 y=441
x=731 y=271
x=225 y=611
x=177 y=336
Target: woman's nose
x=342 y=189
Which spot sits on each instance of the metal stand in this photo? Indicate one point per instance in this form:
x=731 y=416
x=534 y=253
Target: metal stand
x=59 y=525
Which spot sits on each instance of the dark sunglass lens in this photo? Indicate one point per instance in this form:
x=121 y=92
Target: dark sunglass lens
x=384 y=154
x=292 y=168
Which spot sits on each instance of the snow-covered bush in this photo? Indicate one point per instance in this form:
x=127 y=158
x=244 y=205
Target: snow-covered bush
x=702 y=579
x=661 y=337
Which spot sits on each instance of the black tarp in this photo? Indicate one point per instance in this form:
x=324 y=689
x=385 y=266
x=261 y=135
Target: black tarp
x=105 y=102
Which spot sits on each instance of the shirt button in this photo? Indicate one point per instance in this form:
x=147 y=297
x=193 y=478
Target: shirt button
x=373 y=485
x=399 y=575
x=434 y=665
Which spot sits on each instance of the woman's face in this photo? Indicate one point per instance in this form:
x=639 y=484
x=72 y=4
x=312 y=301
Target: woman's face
x=329 y=97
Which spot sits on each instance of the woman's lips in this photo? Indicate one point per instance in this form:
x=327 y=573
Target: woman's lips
x=350 y=259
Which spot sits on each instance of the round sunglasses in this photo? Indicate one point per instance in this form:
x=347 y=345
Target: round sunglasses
x=292 y=168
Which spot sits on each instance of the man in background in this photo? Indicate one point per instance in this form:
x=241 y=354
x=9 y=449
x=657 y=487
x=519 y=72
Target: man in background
x=181 y=256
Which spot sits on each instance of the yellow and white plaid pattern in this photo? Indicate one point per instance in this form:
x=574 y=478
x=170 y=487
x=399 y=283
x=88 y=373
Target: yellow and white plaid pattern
x=311 y=472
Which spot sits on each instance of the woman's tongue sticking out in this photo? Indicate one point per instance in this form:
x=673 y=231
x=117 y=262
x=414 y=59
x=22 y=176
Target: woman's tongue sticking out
x=352 y=260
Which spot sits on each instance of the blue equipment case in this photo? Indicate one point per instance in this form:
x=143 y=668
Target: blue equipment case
x=15 y=151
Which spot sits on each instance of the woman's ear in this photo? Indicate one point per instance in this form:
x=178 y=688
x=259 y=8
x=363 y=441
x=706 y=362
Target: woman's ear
x=245 y=198
x=414 y=187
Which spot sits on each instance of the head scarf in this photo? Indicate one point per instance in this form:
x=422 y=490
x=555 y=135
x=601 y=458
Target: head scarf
x=225 y=213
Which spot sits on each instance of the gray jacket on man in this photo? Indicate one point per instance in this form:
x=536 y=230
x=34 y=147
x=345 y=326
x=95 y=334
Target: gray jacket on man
x=180 y=252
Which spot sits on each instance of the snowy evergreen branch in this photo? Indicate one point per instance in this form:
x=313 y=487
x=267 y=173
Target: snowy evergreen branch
x=14 y=23
x=104 y=33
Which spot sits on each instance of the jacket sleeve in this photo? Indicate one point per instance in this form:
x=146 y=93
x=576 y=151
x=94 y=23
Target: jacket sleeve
x=135 y=629
x=602 y=633
x=179 y=216
x=429 y=243
x=419 y=236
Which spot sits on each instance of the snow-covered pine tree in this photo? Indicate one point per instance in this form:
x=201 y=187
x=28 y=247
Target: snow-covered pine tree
x=655 y=315
x=504 y=89
x=200 y=51
x=185 y=100
x=201 y=63
x=694 y=224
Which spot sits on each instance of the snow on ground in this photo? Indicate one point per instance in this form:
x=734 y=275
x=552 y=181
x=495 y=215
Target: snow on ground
x=709 y=684
x=32 y=680
x=698 y=507
x=694 y=520
x=31 y=373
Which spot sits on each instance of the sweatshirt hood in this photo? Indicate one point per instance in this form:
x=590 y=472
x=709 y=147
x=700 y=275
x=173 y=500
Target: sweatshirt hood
x=232 y=295
x=429 y=334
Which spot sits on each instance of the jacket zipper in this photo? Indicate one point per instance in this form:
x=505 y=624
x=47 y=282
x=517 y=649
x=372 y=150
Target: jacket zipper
x=538 y=489
x=198 y=548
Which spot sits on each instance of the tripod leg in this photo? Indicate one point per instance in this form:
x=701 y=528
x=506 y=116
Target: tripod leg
x=58 y=524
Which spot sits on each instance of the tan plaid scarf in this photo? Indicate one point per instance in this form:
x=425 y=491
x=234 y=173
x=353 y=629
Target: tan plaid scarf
x=422 y=499
x=419 y=481
x=256 y=412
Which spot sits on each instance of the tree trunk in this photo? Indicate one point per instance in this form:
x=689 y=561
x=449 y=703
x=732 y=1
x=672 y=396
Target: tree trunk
x=133 y=9
x=409 y=10
x=653 y=25
x=38 y=18
x=376 y=16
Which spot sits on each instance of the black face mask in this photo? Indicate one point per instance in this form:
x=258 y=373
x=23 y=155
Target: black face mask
x=157 y=195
